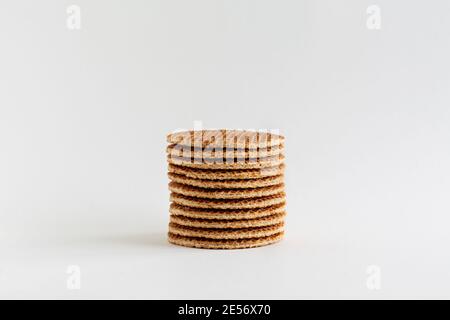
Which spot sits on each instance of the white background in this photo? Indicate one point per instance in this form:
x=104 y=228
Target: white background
x=84 y=115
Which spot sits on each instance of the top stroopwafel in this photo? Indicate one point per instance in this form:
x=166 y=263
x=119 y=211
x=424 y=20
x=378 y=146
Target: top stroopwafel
x=225 y=139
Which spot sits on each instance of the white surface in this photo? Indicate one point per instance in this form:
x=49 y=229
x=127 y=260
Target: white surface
x=84 y=114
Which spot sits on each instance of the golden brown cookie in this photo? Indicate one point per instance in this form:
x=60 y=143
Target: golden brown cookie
x=225 y=214
x=208 y=174
x=191 y=191
x=175 y=150
x=266 y=162
x=229 y=224
x=227 y=184
x=223 y=244
x=260 y=202
x=210 y=233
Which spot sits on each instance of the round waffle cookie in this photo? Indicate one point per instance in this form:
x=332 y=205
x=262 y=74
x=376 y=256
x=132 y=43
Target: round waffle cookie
x=175 y=150
x=227 y=184
x=236 y=139
x=211 y=233
x=224 y=193
x=209 y=174
x=229 y=224
x=266 y=162
x=224 y=243
x=260 y=202
x=225 y=214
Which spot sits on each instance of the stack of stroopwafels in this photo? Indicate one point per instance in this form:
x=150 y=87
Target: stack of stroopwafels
x=227 y=188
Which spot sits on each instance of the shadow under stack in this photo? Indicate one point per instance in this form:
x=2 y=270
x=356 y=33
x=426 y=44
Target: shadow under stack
x=227 y=188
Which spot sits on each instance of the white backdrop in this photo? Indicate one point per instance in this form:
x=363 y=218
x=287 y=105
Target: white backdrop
x=84 y=114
